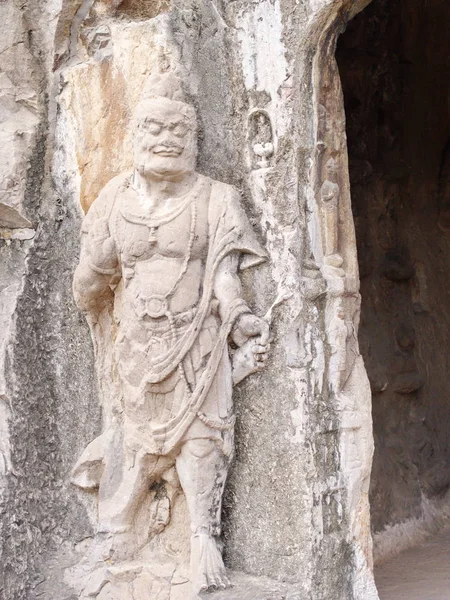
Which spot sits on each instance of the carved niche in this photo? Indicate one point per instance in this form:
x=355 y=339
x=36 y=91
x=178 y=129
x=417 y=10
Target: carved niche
x=260 y=137
x=329 y=207
x=158 y=278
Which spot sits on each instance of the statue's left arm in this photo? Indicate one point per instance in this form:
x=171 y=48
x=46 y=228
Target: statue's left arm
x=228 y=291
x=250 y=333
x=235 y=232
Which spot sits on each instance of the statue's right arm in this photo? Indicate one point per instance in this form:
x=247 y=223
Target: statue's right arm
x=91 y=290
x=98 y=267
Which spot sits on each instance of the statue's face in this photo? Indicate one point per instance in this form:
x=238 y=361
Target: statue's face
x=331 y=168
x=165 y=143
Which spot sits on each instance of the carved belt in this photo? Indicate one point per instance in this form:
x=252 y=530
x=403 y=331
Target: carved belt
x=156 y=306
x=160 y=326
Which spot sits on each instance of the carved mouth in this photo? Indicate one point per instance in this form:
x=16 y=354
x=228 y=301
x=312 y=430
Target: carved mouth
x=167 y=151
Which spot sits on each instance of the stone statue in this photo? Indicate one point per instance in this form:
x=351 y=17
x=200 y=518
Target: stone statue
x=329 y=196
x=162 y=247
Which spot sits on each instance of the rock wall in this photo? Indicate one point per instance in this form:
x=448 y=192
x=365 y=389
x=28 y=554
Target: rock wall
x=395 y=69
x=258 y=72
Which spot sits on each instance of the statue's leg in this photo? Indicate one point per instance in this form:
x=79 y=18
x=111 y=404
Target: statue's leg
x=202 y=468
x=124 y=485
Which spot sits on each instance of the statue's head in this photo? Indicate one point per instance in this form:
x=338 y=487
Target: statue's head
x=332 y=169
x=165 y=130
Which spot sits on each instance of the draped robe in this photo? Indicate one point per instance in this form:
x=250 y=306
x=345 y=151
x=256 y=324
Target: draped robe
x=177 y=385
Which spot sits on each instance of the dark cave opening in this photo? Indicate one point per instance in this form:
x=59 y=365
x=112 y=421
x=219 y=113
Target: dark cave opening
x=394 y=63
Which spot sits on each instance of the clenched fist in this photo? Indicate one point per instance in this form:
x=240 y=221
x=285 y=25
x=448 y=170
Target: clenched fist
x=248 y=326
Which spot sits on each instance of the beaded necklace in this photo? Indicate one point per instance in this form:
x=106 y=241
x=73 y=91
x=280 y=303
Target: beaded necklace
x=153 y=223
x=157 y=305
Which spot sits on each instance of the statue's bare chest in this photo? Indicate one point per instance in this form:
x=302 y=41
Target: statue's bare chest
x=186 y=233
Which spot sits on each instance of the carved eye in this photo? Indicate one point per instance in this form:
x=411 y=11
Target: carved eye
x=153 y=128
x=179 y=129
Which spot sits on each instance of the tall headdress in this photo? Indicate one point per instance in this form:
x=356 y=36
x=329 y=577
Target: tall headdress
x=167 y=86
x=163 y=85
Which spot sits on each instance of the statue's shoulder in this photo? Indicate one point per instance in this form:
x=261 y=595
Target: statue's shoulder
x=103 y=204
x=219 y=189
x=223 y=198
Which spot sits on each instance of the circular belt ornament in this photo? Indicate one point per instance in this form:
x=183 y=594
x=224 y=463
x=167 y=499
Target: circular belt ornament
x=156 y=306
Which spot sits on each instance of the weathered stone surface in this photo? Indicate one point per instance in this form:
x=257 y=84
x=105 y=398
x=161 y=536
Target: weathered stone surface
x=407 y=383
x=296 y=506
x=246 y=587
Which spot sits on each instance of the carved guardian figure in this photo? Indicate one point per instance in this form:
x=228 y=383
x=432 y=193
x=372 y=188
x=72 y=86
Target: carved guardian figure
x=162 y=248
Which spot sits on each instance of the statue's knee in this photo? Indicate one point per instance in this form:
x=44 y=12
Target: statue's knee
x=200 y=448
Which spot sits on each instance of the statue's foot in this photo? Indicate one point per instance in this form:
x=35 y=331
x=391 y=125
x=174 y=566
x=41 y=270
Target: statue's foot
x=207 y=569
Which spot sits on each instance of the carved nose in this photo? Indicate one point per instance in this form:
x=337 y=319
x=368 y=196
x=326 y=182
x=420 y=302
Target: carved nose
x=168 y=138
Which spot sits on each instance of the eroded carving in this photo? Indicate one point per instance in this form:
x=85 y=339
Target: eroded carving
x=338 y=331
x=261 y=139
x=161 y=252
x=321 y=128
x=329 y=204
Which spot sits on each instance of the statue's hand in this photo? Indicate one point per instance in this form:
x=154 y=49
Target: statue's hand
x=248 y=326
x=101 y=246
x=249 y=358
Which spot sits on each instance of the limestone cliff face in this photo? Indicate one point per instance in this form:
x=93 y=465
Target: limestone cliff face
x=258 y=73
x=46 y=382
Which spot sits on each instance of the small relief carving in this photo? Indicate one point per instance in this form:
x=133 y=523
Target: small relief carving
x=329 y=206
x=321 y=128
x=337 y=339
x=162 y=250
x=313 y=284
x=343 y=346
x=261 y=139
